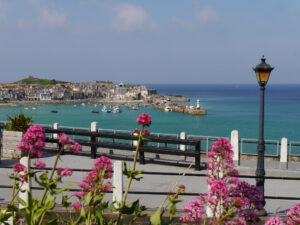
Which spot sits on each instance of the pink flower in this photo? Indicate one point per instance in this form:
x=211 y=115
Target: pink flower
x=195 y=210
x=18 y=167
x=145 y=132
x=76 y=148
x=144 y=119
x=275 y=220
x=85 y=186
x=294 y=214
x=59 y=171
x=39 y=164
x=79 y=194
x=106 y=187
x=136 y=131
x=182 y=187
x=76 y=206
x=103 y=163
x=33 y=140
x=238 y=202
x=69 y=143
x=67 y=172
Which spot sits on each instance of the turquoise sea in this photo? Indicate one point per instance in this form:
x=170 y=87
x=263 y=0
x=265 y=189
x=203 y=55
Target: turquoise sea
x=229 y=107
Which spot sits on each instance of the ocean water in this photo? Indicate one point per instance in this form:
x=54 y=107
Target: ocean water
x=229 y=107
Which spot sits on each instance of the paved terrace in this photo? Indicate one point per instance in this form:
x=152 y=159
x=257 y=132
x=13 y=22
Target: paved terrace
x=159 y=183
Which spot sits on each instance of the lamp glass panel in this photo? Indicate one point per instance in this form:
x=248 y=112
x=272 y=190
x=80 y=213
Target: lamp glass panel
x=257 y=76
x=264 y=76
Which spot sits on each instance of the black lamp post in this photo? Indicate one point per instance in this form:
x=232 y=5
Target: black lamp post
x=262 y=71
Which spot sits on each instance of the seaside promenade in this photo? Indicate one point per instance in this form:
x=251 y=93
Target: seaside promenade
x=163 y=183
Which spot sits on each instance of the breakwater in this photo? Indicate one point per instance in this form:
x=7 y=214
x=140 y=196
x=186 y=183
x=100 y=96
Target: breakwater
x=181 y=109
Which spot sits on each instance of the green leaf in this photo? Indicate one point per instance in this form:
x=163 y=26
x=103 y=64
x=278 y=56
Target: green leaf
x=99 y=216
x=21 y=201
x=131 y=207
x=155 y=217
x=172 y=209
x=58 y=191
x=88 y=198
x=64 y=201
x=54 y=222
x=112 y=207
x=98 y=199
x=50 y=202
x=12 y=208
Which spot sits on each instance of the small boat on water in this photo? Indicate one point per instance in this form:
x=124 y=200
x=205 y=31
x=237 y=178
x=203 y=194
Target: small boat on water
x=83 y=104
x=105 y=109
x=26 y=108
x=33 y=108
x=95 y=111
x=116 y=109
x=54 y=111
x=74 y=105
x=168 y=109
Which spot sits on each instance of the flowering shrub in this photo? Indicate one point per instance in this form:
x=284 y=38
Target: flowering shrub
x=90 y=199
x=33 y=141
x=229 y=200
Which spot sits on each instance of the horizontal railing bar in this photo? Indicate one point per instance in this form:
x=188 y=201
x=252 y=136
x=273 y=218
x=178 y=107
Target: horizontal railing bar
x=172 y=173
x=157 y=193
x=121 y=136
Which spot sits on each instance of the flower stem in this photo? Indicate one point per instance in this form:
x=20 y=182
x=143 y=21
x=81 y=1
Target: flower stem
x=28 y=177
x=132 y=170
x=50 y=180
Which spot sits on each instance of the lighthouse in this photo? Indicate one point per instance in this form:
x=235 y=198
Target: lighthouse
x=198 y=103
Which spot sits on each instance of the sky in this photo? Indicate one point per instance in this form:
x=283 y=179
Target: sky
x=149 y=41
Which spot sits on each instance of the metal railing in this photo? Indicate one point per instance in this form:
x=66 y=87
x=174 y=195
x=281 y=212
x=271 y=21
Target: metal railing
x=207 y=141
x=268 y=143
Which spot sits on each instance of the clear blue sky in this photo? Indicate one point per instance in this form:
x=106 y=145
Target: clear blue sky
x=149 y=41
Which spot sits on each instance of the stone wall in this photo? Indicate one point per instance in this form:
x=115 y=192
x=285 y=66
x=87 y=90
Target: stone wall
x=10 y=140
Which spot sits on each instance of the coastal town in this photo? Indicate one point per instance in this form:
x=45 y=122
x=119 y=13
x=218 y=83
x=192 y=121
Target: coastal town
x=20 y=91
x=33 y=90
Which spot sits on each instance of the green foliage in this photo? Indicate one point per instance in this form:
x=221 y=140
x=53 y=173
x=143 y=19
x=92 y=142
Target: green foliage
x=133 y=174
x=33 y=80
x=18 y=123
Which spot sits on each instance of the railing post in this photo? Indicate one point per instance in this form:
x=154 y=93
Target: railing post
x=1 y=132
x=118 y=182
x=94 y=129
x=235 y=146
x=197 y=156
x=24 y=187
x=182 y=137
x=142 y=153
x=55 y=136
x=284 y=153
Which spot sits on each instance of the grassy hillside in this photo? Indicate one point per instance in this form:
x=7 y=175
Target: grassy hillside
x=33 y=80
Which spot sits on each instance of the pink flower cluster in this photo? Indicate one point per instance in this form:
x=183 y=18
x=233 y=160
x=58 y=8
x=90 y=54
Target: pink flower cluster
x=194 y=211
x=145 y=132
x=144 y=119
x=94 y=181
x=275 y=220
x=63 y=172
x=33 y=141
x=39 y=164
x=226 y=192
x=18 y=167
x=69 y=143
x=293 y=214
